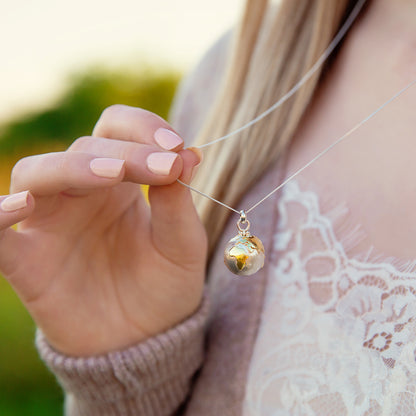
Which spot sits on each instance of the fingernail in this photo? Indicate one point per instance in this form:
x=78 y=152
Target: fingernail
x=161 y=163
x=167 y=139
x=107 y=167
x=15 y=202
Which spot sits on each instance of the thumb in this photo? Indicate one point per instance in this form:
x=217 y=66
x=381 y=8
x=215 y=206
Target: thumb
x=177 y=230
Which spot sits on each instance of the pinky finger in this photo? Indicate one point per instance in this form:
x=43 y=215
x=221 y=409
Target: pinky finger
x=15 y=208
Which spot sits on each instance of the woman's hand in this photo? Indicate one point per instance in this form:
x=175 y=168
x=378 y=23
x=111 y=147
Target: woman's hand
x=97 y=268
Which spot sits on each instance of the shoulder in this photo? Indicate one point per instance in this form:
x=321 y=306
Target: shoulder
x=198 y=90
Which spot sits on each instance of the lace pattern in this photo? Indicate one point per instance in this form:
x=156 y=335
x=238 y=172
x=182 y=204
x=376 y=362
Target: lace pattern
x=337 y=334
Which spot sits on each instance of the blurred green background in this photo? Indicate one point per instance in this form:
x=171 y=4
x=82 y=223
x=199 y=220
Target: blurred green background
x=26 y=386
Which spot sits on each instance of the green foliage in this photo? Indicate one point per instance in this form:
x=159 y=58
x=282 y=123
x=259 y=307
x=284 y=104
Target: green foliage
x=88 y=94
x=33 y=403
x=26 y=386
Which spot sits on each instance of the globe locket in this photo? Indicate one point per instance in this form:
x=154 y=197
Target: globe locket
x=244 y=254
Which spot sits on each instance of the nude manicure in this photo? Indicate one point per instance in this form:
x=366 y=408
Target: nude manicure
x=161 y=163
x=107 y=167
x=15 y=202
x=167 y=139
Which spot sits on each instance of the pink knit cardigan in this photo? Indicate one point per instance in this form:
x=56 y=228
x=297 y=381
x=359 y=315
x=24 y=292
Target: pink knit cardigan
x=160 y=376
x=199 y=367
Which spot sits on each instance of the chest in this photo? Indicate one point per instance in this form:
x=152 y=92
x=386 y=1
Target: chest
x=337 y=332
x=372 y=170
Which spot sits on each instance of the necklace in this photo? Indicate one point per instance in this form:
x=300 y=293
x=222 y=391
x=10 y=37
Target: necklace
x=244 y=254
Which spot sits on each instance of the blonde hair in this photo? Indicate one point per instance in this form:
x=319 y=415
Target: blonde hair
x=271 y=52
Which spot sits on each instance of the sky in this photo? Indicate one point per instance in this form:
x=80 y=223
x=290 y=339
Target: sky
x=44 y=41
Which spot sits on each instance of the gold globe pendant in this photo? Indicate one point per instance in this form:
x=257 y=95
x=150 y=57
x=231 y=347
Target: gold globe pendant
x=244 y=254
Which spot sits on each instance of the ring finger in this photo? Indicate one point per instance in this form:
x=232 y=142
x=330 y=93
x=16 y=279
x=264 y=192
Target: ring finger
x=145 y=163
x=57 y=172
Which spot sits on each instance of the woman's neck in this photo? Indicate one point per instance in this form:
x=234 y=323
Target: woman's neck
x=398 y=13
x=394 y=20
x=384 y=40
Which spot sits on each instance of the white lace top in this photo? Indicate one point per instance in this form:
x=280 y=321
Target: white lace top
x=338 y=334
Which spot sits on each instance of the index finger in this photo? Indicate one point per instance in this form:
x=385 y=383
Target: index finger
x=122 y=122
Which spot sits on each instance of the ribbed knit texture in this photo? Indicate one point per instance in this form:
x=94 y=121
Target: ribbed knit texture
x=149 y=379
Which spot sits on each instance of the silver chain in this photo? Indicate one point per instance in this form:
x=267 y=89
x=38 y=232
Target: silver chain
x=318 y=156
x=283 y=99
x=334 y=43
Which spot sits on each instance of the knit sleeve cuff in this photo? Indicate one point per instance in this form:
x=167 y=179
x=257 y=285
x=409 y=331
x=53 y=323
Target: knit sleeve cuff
x=150 y=378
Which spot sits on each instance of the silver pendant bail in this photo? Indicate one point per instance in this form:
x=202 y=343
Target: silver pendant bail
x=243 y=224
